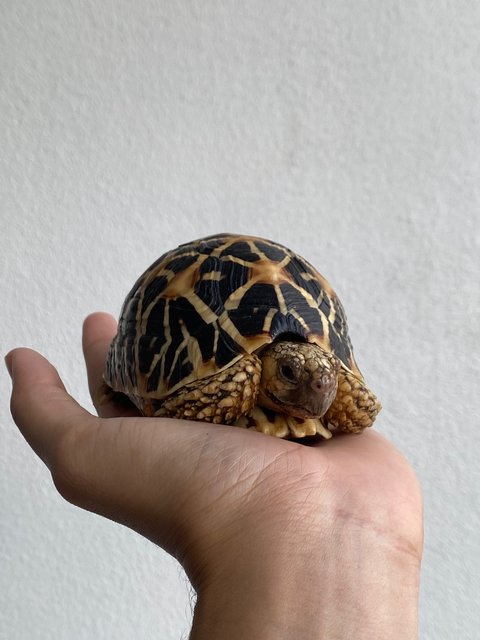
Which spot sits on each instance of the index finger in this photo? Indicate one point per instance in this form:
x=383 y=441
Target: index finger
x=99 y=330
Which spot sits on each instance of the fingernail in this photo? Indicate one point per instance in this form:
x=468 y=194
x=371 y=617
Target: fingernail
x=8 y=363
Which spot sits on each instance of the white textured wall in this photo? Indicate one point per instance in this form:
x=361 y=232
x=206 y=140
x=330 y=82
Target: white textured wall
x=349 y=131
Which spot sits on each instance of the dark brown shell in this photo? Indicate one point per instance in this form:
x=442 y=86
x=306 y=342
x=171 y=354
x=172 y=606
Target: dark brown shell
x=203 y=305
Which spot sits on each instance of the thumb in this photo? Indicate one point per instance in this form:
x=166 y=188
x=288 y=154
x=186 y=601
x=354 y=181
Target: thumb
x=40 y=404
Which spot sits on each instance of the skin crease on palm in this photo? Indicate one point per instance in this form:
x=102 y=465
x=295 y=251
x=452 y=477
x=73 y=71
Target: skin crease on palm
x=208 y=493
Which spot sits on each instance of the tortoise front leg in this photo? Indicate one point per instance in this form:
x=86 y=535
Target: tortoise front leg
x=355 y=407
x=221 y=398
x=275 y=424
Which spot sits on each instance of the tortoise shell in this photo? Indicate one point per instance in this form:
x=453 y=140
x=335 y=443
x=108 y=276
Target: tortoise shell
x=202 y=306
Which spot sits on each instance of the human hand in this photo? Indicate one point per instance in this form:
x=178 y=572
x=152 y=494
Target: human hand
x=273 y=534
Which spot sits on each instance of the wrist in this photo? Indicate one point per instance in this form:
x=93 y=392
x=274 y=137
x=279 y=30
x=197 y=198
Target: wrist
x=313 y=598
x=340 y=579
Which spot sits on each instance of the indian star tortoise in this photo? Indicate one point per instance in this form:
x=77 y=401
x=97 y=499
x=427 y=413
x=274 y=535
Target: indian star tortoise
x=242 y=331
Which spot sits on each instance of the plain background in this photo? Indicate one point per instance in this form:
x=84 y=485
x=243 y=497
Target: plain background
x=349 y=131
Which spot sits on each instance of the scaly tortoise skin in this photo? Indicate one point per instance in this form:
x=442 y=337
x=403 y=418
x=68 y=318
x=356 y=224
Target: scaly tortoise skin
x=239 y=330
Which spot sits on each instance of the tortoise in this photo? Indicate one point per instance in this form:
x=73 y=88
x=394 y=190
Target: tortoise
x=239 y=330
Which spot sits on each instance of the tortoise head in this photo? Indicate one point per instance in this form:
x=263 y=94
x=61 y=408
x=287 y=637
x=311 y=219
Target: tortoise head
x=298 y=379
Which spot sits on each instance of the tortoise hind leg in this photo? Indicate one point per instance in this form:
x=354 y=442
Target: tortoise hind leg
x=221 y=398
x=355 y=407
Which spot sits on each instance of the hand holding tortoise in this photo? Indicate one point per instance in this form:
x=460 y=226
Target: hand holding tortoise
x=312 y=542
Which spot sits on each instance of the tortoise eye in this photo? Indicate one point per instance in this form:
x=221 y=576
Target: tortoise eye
x=288 y=373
